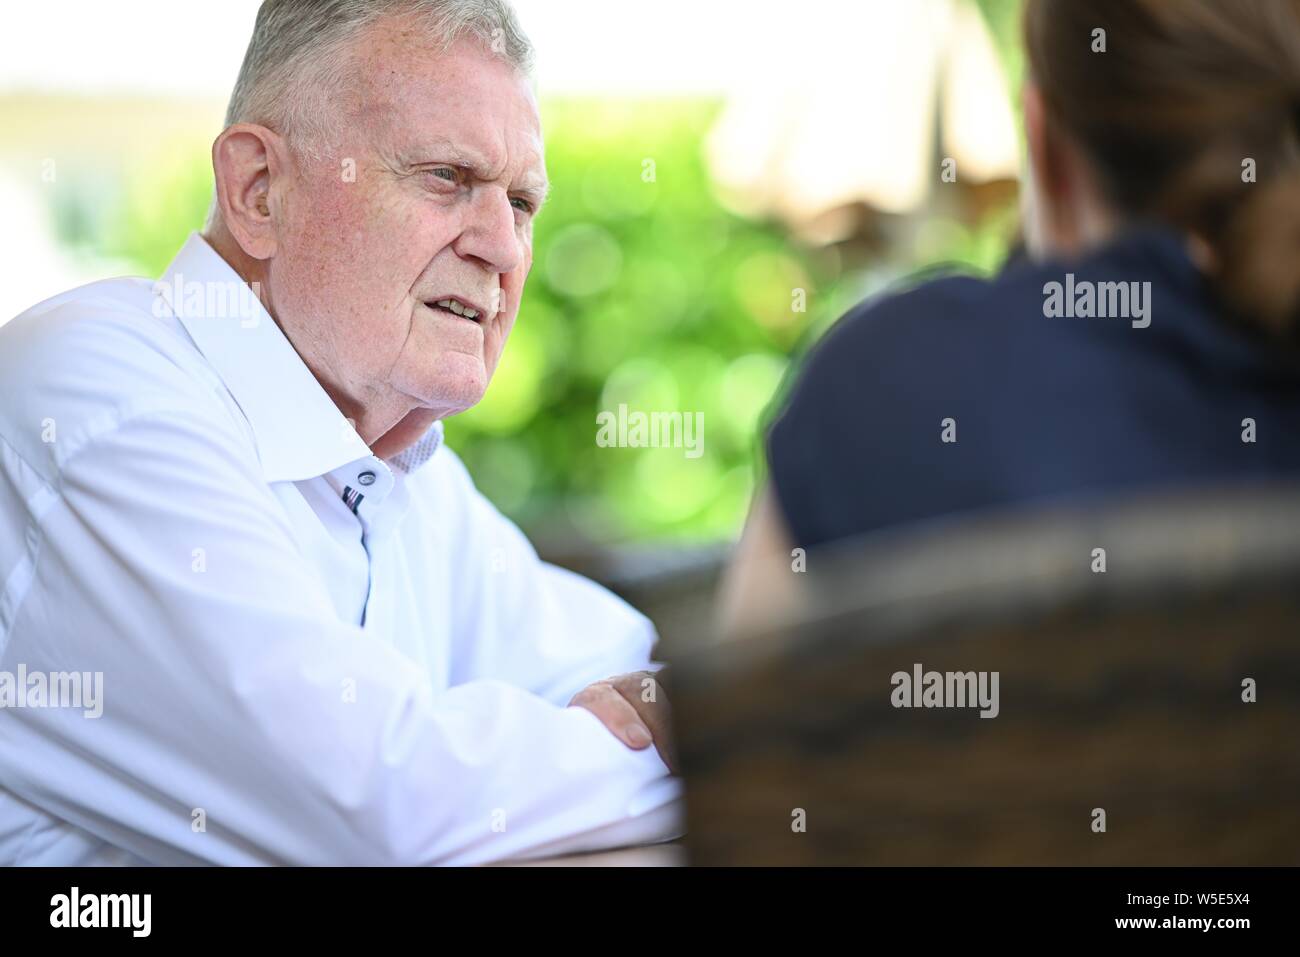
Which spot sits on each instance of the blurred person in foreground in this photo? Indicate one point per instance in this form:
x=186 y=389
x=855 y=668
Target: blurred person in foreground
x=1148 y=342
x=231 y=517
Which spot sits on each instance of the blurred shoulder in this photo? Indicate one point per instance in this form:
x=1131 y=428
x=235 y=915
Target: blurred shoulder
x=952 y=321
x=928 y=310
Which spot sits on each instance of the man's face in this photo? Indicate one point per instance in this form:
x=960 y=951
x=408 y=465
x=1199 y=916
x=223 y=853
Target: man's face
x=429 y=197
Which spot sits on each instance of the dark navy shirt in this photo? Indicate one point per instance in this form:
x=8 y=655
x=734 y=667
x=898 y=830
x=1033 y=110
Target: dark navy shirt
x=1041 y=408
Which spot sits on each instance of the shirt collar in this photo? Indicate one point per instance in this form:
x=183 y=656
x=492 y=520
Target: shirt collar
x=416 y=454
x=300 y=432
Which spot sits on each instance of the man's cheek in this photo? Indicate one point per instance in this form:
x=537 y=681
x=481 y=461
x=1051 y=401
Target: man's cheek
x=512 y=290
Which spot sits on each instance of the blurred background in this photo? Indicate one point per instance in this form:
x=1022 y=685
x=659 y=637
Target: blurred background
x=729 y=178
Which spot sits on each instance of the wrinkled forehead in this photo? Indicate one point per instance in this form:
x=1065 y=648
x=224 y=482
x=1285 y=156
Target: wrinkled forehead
x=410 y=91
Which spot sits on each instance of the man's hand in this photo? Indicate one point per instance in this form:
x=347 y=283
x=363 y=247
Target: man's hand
x=635 y=708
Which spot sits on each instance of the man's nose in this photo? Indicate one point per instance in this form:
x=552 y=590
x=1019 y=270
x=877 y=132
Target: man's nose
x=490 y=235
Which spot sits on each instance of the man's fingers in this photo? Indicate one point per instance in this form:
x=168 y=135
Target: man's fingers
x=604 y=701
x=647 y=695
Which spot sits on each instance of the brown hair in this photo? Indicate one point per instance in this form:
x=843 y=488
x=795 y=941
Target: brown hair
x=1185 y=92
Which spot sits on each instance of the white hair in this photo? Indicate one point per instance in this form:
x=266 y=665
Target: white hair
x=297 y=71
x=297 y=68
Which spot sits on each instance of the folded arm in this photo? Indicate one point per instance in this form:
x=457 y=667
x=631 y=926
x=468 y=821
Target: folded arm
x=234 y=697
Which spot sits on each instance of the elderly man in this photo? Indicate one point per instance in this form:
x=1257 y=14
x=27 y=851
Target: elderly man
x=225 y=506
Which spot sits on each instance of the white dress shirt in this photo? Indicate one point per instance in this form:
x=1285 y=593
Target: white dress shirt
x=309 y=655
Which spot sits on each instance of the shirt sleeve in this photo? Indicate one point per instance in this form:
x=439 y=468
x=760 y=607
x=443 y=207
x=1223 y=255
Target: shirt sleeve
x=534 y=624
x=242 y=722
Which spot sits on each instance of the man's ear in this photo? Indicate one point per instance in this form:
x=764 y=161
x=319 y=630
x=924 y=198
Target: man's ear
x=250 y=165
x=1043 y=144
x=1056 y=171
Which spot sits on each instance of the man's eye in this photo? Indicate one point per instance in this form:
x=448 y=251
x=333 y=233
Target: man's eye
x=522 y=204
x=448 y=173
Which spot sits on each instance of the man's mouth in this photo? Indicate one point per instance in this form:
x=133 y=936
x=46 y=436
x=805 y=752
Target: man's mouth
x=458 y=307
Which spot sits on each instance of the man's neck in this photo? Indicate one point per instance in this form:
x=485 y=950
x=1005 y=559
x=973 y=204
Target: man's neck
x=387 y=431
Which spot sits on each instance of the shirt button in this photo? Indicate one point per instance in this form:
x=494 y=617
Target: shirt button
x=366 y=478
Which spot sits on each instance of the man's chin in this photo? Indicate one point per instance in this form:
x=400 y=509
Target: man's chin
x=459 y=384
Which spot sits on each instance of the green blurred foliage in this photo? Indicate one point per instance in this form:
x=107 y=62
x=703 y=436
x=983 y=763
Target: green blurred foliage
x=161 y=205
x=644 y=292
x=1004 y=19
